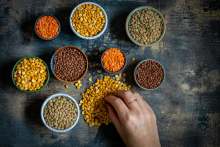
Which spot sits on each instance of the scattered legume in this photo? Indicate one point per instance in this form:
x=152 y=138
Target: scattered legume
x=93 y=104
x=78 y=84
x=113 y=60
x=30 y=74
x=70 y=64
x=60 y=113
x=47 y=27
x=149 y=74
x=88 y=20
x=146 y=26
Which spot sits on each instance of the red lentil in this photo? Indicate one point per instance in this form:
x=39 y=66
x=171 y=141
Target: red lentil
x=47 y=27
x=113 y=60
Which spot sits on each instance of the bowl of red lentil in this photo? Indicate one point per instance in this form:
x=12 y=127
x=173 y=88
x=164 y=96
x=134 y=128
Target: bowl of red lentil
x=30 y=74
x=47 y=27
x=60 y=112
x=113 y=60
x=145 y=26
x=69 y=64
x=88 y=20
x=149 y=74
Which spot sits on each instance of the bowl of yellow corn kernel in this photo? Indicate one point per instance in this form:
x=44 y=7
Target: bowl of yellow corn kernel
x=88 y=20
x=30 y=74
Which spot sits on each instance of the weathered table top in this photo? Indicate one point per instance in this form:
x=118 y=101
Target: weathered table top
x=186 y=104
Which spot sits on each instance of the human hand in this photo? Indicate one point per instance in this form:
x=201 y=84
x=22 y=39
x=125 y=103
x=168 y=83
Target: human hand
x=134 y=119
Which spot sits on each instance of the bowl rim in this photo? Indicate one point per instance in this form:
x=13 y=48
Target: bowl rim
x=14 y=68
x=93 y=37
x=43 y=38
x=128 y=20
x=135 y=71
x=52 y=63
x=122 y=68
x=53 y=97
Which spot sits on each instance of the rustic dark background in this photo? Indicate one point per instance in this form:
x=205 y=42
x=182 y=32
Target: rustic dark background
x=187 y=104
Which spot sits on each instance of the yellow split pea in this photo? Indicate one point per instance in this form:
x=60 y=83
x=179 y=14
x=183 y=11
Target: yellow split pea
x=93 y=104
x=88 y=20
x=30 y=74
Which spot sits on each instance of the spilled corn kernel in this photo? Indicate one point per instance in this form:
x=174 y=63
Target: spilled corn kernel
x=93 y=105
x=78 y=84
x=30 y=74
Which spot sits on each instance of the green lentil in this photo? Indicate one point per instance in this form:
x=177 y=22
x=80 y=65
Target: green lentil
x=146 y=26
x=60 y=113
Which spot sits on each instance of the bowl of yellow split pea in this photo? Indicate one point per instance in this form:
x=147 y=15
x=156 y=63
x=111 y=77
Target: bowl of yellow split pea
x=30 y=74
x=88 y=20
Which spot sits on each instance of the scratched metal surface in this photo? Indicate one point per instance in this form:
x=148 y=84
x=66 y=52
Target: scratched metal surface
x=187 y=104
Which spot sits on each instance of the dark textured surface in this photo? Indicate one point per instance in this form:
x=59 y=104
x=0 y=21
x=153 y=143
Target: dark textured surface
x=187 y=103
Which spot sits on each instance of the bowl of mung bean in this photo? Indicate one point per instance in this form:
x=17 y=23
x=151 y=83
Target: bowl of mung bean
x=145 y=26
x=149 y=74
x=88 y=20
x=60 y=112
x=30 y=74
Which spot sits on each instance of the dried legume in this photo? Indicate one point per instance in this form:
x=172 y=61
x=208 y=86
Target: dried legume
x=93 y=104
x=113 y=60
x=70 y=64
x=60 y=113
x=149 y=74
x=88 y=20
x=47 y=27
x=146 y=26
x=30 y=74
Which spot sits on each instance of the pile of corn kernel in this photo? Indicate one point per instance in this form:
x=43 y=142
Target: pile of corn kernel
x=93 y=105
x=30 y=74
x=88 y=20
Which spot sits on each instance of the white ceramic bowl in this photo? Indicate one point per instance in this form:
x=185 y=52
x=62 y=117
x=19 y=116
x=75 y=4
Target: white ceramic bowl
x=53 y=97
x=135 y=73
x=93 y=37
x=138 y=9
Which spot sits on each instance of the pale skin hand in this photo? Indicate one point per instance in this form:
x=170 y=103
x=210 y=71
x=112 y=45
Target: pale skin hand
x=134 y=119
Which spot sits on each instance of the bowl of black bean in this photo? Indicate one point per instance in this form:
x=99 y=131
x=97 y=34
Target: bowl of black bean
x=145 y=26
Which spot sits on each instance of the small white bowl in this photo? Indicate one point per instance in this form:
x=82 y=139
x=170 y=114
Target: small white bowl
x=128 y=20
x=55 y=96
x=93 y=37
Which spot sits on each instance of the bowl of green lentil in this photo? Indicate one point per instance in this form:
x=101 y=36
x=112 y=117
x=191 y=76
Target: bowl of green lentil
x=88 y=20
x=145 y=26
x=60 y=112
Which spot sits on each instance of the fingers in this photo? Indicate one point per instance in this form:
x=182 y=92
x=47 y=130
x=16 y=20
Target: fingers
x=129 y=98
x=119 y=106
x=113 y=116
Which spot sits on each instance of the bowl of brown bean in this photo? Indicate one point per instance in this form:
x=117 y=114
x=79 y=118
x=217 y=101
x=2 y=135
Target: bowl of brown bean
x=69 y=64
x=60 y=112
x=145 y=26
x=88 y=20
x=149 y=74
